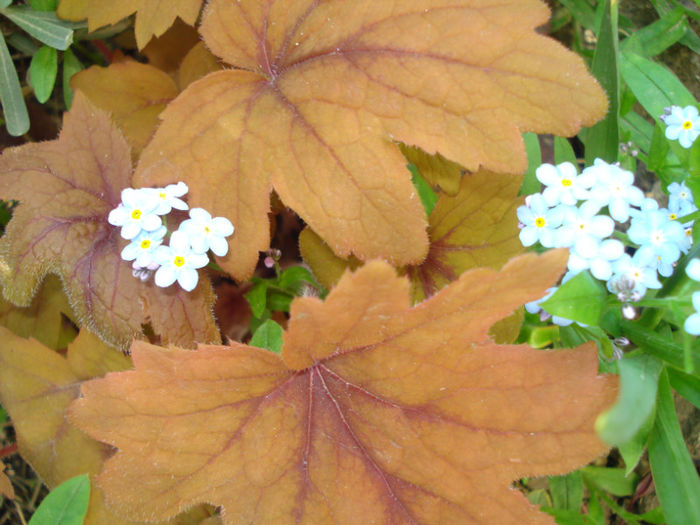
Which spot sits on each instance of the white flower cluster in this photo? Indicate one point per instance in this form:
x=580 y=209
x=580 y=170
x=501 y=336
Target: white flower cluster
x=139 y=216
x=567 y=215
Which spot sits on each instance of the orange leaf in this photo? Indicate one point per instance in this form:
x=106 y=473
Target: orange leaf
x=6 y=488
x=167 y=51
x=133 y=93
x=442 y=174
x=66 y=189
x=375 y=412
x=320 y=91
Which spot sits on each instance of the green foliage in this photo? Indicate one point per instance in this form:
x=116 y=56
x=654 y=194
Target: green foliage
x=581 y=299
x=268 y=336
x=66 y=504
x=43 y=70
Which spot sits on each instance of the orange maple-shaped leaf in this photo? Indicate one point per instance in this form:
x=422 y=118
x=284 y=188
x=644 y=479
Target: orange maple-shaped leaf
x=66 y=188
x=321 y=89
x=375 y=412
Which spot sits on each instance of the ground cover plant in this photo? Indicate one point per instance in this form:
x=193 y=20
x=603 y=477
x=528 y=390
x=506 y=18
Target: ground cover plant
x=348 y=261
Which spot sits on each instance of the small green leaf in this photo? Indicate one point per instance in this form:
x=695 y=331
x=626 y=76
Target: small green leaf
x=582 y=11
x=580 y=299
x=675 y=478
x=428 y=197
x=71 y=65
x=566 y=491
x=640 y=131
x=16 y=115
x=611 y=480
x=279 y=301
x=563 y=152
x=294 y=277
x=42 y=71
x=257 y=298
x=655 y=38
x=3 y=415
x=639 y=376
x=568 y=517
x=4 y=3
x=633 y=450
x=687 y=385
x=268 y=336
x=66 y=504
x=658 y=150
x=534 y=160
x=44 y=26
x=659 y=346
x=43 y=5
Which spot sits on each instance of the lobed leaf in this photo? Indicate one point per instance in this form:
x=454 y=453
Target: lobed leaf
x=375 y=412
x=321 y=89
x=66 y=189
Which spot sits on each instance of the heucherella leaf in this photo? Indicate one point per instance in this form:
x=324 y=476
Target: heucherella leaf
x=321 y=91
x=6 y=488
x=375 y=412
x=66 y=189
x=435 y=169
x=67 y=504
x=153 y=17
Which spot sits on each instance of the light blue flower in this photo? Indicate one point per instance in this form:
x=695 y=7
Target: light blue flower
x=179 y=263
x=693 y=269
x=599 y=261
x=538 y=221
x=648 y=204
x=692 y=323
x=614 y=188
x=168 y=197
x=660 y=236
x=680 y=199
x=206 y=233
x=142 y=248
x=633 y=275
x=563 y=184
x=135 y=213
x=582 y=229
x=682 y=124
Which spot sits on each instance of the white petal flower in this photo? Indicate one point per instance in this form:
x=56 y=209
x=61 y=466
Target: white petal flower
x=179 y=263
x=564 y=185
x=135 y=213
x=683 y=124
x=599 y=261
x=539 y=223
x=614 y=188
x=582 y=229
x=168 y=197
x=693 y=269
x=680 y=200
x=143 y=247
x=206 y=233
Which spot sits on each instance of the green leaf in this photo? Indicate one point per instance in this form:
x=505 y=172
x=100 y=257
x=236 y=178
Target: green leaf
x=655 y=38
x=563 y=152
x=687 y=385
x=654 y=86
x=427 y=196
x=640 y=131
x=16 y=115
x=582 y=11
x=257 y=298
x=675 y=478
x=43 y=5
x=639 y=376
x=580 y=299
x=568 y=517
x=657 y=345
x=66 y=504
x=603 y=139
x=4 y=3
x=534 y=159
x=566 y=491
x=268 y=336
x=658 y=150
x=44 y=26
x=42 y=71
x=279 y=301
x=71 y=65
x=294 y=277
x=3 y=415
x=611 y=480
x=633 y=450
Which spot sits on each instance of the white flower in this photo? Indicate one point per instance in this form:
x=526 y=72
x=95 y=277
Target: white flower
x=660 y=236
x=693 y=269
x=633 y=275
x=682 y=124
x=135 y=213
x=600 y=261
x=539 y=222
x=614 y=188
x=206 y=233
x=680 y=199
x=582 y=229
x=692 y=323
x=564 y=185
x=179 y=263
x=142 y=248
x=168 y=197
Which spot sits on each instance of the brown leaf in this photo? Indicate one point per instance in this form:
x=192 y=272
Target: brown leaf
x=322 y=89
x=375 y=412
x=66 y=189
x=442 y=174
x=133 y=93
x=196 y=64
x=167 y=51
x=6 y=488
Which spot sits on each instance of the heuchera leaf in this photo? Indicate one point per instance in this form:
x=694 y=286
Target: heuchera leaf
x=321 y=89
x=153 y=17
x=6 y=488
x=439 y=172
x=375 y=412
x=133 y=93
x=66 y=189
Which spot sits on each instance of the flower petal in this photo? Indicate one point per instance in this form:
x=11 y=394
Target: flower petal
x=165 y=276
x=187 y=279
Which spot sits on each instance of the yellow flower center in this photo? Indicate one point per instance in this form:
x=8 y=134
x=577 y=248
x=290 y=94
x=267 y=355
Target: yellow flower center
x=145 y=244
x=136 y=214
x=672 y=216
x=207 y=229
x=179 y=261
x=566 y=182
x=687 y=124
x=539 y=222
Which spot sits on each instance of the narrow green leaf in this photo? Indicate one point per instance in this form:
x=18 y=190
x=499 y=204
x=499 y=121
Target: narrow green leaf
x=582 y=11
x=639 y=376
x=675 y=478
x=71 y=65
x=568 y=517
x=640 y=131
x=66 y=504
x=428 y=197
x=534 y=159
x=268 y=336
x=563 y=152
x=603 y=139
x=42 y=25
x=658 y=149
x=43 y=5
x=654 y=86
x=580 y=299
x=566 y=491
x=42 y=71
x=632 y=450
x=611 y=480
x=687 y=385
x=257 y=298
x=658 y=36
x=658 y=345
x=16 y=115
x=4 y=3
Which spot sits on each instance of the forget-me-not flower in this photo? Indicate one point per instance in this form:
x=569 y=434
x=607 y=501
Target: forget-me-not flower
x=614 y=188
x=142 y=248
x=205 y=232
x=169 y=197
x=563 y=184
x=600 y=261
x=135 y=213
x=682 y=124
x=582 y=229
x=539 y=222
x=633 y=275
x=179 y=263
x=660 y=236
